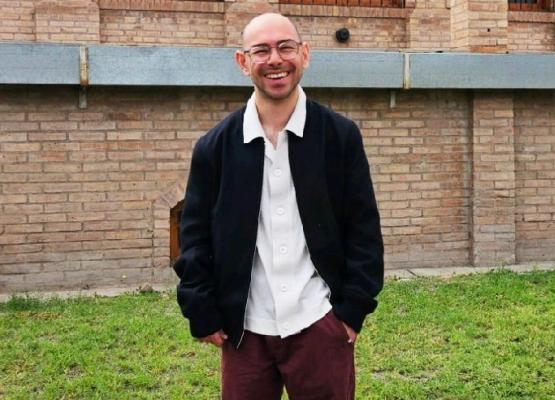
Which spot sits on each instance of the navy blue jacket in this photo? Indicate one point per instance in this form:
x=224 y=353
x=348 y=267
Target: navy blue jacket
x=220 y=218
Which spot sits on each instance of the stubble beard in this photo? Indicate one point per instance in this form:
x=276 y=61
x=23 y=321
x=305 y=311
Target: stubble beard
x=268 y=95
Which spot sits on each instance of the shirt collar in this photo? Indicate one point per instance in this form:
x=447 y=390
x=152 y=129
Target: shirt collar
x=252 y=128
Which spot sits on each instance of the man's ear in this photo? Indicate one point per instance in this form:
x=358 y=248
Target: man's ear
x=241 y=61
x=306 y=54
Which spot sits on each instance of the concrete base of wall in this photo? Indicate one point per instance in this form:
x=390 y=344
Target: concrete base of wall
x=395 y=274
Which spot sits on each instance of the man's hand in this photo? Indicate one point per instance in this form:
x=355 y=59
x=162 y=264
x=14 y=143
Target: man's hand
x=217 y=338
x=350 y=332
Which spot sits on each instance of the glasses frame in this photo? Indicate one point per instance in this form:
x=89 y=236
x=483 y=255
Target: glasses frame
x=298 y=44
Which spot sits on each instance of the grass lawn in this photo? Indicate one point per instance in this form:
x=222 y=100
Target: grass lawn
x=478 y=337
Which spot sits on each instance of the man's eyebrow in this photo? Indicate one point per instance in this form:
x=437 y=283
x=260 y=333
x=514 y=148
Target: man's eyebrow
x=277 y=43
x=259 y=44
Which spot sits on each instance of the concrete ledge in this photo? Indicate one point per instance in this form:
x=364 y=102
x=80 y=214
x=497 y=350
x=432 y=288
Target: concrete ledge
x=454 y=271
x=32 y=63
x=39 y=64
x=163 y=66
x=354 y=69
x=392 y=274
x=482 y=71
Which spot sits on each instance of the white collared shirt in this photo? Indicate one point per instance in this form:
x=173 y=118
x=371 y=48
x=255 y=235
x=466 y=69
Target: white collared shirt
x=286 y=293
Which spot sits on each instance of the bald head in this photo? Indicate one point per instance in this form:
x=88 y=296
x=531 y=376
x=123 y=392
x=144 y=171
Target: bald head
x=274 y=58
x=266 y=22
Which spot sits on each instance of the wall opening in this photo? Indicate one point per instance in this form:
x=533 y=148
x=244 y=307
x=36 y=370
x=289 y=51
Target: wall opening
x=358 y=3
x=531 y=5
x=175 y=244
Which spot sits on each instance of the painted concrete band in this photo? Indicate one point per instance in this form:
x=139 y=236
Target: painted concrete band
x=483 y=71
x=33 y=63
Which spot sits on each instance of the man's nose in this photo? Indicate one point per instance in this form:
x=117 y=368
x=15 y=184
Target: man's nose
x=275 y=58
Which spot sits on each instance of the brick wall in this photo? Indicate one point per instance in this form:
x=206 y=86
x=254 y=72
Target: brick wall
x=493 y=170
x=69 y=21
x=429 y=26
x=161 y=27
x=535 y=175
x=381 y=34
x=85 y=194
x=479 y=25
x=419 y=153
x=460 y=25
x=78 y=187
x=17 y=21
x=531 y=31
x=531 y=37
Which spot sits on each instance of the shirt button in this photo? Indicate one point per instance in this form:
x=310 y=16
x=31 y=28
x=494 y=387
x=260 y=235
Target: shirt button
x=282 y=249
x=283 y=287
x=280 y=211
x=277 y=172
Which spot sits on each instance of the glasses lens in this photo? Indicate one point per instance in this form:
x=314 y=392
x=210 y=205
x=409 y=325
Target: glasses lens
x=260 y=54
x=288 y=50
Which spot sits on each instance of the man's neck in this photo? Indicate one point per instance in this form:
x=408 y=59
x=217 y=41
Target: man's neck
x=274 y=114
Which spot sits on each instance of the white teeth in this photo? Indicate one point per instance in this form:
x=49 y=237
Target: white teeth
x=277 y=76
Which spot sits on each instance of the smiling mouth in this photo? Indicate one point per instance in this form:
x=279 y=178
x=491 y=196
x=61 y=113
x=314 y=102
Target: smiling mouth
x=277 y=75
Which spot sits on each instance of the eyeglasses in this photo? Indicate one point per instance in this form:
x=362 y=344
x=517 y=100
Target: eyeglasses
x=287 y=50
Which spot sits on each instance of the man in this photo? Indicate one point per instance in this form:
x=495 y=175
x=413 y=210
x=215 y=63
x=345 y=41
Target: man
x=282 y=253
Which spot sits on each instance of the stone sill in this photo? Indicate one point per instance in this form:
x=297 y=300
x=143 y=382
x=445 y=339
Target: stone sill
x=532 y=16
x=37 y=63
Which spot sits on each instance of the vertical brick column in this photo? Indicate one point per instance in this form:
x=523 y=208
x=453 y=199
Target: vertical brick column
x=67 y=21
x=17 y=22
x=428 y=25
x=493 y=163
x=239 y=12
x=479 y=25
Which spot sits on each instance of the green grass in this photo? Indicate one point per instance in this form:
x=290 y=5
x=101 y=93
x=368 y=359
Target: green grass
x=478 y=337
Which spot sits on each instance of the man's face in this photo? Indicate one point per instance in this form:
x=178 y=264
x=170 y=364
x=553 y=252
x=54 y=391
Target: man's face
x=274 y=79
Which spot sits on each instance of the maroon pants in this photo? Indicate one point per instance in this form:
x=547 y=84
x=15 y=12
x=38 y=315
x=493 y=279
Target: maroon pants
x=315 y=364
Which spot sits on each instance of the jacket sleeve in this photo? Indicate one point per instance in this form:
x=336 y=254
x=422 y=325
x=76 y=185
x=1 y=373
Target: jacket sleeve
x=362 y=238
x=195 y=265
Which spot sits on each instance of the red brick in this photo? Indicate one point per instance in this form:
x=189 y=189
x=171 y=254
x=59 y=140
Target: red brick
x=20 y=147
x=48 y=156
x=23 y=228
x=18 y=126
x=13 y=137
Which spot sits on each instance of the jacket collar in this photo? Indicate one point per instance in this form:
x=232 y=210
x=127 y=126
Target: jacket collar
x=252 y=128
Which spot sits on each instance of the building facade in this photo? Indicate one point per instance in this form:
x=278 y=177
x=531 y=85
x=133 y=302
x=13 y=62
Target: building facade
x=101 y=103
